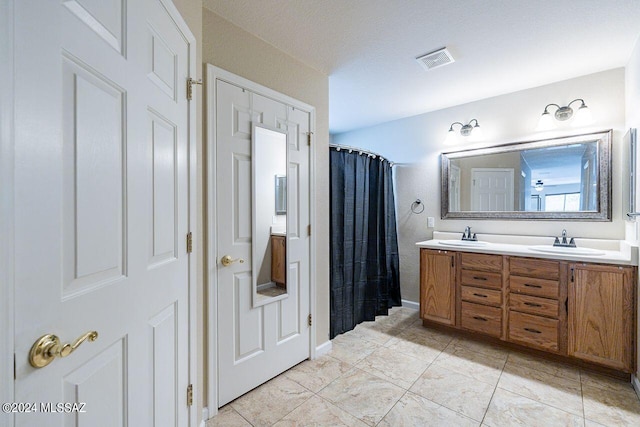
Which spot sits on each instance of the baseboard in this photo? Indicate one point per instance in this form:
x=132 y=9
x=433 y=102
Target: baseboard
x=205 y=417
x=635 y=382
x=323 y=348
x=411 y=304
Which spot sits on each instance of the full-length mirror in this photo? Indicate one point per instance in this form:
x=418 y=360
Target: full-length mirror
x=269 y=234
x=561 y=178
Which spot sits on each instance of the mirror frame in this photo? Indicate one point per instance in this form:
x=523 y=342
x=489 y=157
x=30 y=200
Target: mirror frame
x=603 y=213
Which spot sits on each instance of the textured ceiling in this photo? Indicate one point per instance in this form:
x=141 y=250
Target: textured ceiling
x=368 y=47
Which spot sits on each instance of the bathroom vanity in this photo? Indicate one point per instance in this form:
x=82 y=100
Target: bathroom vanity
x=579 y=304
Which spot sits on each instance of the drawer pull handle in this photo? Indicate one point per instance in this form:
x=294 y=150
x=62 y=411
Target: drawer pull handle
x=480 y=318
x=529 y=285
x=534 y=331
x=479 y=278
x=480 y=295
x=532 y=304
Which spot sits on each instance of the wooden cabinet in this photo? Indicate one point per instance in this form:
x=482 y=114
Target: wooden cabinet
x=535 y=301
x=437 y=286
x=481 y=293
x=278 y=260
x=581 y=310
x=601 y=314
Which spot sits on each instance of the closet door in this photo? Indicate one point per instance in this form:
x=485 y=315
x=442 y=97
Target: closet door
x=101 y=213
x=257 y=342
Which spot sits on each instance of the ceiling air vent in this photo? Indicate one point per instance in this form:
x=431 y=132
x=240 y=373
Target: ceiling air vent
x=435 y=59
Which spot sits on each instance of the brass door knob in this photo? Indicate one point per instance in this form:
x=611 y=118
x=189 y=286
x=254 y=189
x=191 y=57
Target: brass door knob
x=227 y=260
x=48 y=347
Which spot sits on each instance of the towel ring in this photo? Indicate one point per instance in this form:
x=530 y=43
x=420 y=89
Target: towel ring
x=415 y=206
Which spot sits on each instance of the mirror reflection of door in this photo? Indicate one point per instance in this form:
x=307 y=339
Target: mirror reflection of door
x=454 y=189
x=491 y=189
x=269 y=249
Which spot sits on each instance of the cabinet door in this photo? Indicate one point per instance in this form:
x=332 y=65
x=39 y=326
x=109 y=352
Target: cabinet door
x=601 y=314
x=437 y=286
x=278 y=260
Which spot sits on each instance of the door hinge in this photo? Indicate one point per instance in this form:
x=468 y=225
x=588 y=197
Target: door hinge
x=189 y=242
x=190 y=83
x=309 y=230
x=309 y=137
x=190 y=395
x=309 y=322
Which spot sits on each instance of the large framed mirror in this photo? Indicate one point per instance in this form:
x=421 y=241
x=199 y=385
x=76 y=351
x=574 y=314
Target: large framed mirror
x=269 y=156
x=566 y=178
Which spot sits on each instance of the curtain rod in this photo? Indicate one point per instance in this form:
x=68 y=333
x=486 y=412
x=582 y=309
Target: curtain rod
x=360 y=151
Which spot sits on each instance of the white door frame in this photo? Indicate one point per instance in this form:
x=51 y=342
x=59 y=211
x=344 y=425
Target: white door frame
x=192 y=164
x=6 y=207
x=455 y=173
x=215 y=73
x=7 y=142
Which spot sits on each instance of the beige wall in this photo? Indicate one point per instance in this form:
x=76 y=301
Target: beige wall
x=415 y=144
x=231 y=48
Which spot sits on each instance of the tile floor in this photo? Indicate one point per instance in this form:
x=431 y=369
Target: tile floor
x=395 y=372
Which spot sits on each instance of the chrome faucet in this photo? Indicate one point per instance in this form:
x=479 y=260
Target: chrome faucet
x=468 y=236
x=570 y=244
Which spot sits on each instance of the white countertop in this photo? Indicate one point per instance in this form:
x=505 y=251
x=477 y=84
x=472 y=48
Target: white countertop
x=279 y=230
x=606 y=251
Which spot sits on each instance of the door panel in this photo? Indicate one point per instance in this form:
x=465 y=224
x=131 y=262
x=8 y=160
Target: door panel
x=257 y=343
x=104 y=17
x=94 y=208
x=163 y=333
x=491 y=189
x=248 y=328
x=101 y=185
x=100 y=379
x=164 y=146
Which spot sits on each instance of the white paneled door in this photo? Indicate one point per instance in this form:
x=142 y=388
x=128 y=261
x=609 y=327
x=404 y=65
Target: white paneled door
x=256 y=343
x=101 y=211
x=491 y=189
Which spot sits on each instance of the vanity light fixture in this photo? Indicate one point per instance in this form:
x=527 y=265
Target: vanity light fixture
x=539 y=186
x=465 y=130
x=583 y=116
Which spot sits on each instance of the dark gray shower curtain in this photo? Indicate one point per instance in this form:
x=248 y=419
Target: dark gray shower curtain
x=365 y=276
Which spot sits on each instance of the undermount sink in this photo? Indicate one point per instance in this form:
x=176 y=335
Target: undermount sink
x=566 y=250
x=463 y=243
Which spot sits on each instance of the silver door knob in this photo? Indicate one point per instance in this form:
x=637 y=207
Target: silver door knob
x=227 y=260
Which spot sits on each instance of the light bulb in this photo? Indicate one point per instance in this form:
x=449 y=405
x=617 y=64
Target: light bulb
x=451 y=137
x=546 y=122
x=583 y=116
x=476 y=133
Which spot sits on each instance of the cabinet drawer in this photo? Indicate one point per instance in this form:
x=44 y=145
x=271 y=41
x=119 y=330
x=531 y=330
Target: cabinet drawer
x=482 y=279
x=533 y=286
x=482 y=296
x=535 y=331
x=482 y=318
x=481 y=262
x=534 y=305
x=530 y=267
